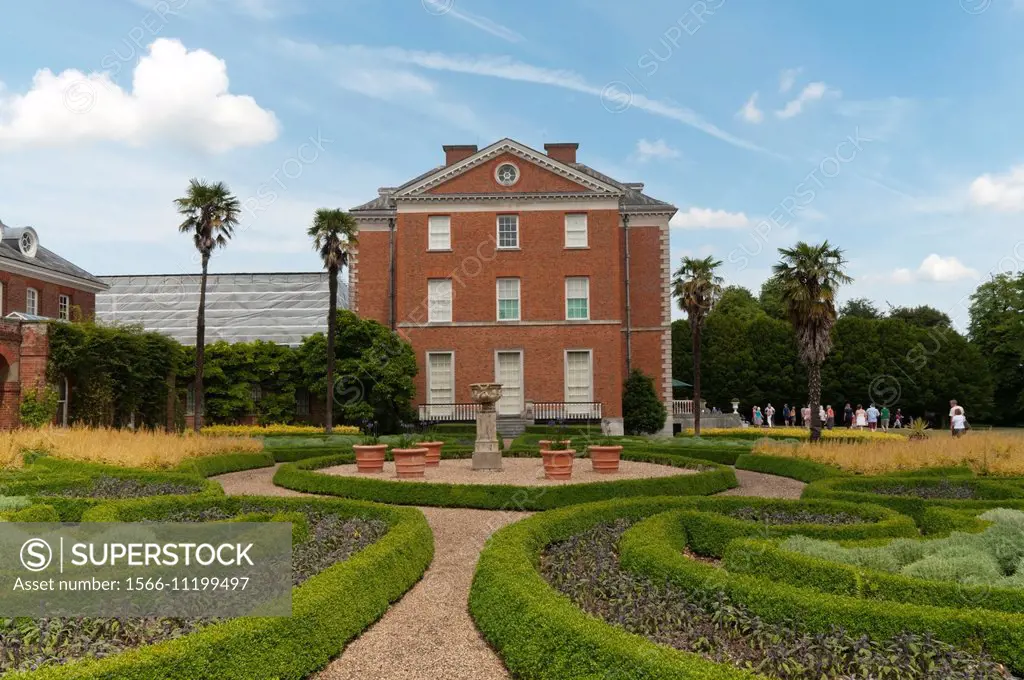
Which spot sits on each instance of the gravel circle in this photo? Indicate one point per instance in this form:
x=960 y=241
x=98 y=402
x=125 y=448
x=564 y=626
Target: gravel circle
x=761 y=485
x=516 y=472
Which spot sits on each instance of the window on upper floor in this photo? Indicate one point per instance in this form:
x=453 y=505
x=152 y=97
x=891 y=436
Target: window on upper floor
x=440 y=232
x=508 y=231
x=439 y=300
x=576 y=230
x=32 y=301
x=63 y=307
x=508 y=299
x=577 y=298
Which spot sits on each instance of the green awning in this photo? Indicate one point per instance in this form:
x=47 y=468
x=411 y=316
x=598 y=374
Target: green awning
x=680 y=383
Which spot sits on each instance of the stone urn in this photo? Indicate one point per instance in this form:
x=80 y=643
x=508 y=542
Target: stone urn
x=370 y=457
x=433 y=453
x=735 y=405
x=409 y=463
x=605 y=459
x=486 y=452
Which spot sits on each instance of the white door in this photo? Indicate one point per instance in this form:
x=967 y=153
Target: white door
x=440 y=384
x=508 y=371
x=578 y=383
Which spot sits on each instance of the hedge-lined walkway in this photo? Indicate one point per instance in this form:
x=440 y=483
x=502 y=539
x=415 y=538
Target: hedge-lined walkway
x=764 y=486
x=428 y=634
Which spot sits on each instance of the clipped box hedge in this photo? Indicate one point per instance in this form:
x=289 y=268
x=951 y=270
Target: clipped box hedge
x=210 y=466
x=653 y=548
x=987 y=493
x=794 y=468
x=328 y=609
x=303 y=476
x=768 y=560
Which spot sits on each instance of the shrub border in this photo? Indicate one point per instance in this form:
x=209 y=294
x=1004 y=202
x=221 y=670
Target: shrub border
x=302 y=476
x=328 y=610
x=794 y=468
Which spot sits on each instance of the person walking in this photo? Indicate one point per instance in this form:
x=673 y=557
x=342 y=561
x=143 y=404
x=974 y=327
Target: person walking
x=873 y=414
x=885 y=418
x=860 y=418
x=958 y=421
x=897 y=419
x=830 y=417
x=758 y=417
x=785 y=414
x=769 y=415
x=848 y=416
x=805 y=416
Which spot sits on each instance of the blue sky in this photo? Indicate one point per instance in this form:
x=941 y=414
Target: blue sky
x=892 y=129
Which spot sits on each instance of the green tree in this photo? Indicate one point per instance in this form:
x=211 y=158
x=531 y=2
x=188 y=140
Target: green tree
x=771 y=299
x=211 y=215
x=642 y=410
x=729 y=360
x=333 y=233
x=375 y=370
x=697 y=287
x=924 y=316
x=860 y=308
x=810 y=275
x=997 y=330
x=738 y=302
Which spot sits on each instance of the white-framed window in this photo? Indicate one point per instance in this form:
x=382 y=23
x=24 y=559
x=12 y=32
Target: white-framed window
x=439 y=300
x=441 y=382
x=579 y=379
x=256 y=392
x=190 y=401
x=63 y=307
x=576 y=230
x=508 y=231
x=32 y=301
x=508 y=299
x=439 y=228
x=577 y=298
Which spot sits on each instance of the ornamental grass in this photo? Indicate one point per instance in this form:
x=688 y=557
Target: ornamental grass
x=123 y=448
x=841 y=434
x=272 y=430
x=985 y=453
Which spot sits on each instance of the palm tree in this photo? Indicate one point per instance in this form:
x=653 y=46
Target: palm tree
x=334 y=233
x=697 y=288
x=211 y=215
x=809 y=276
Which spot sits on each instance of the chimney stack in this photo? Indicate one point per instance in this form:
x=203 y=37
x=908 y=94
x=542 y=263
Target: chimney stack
x=563 y=152
x=453 y=153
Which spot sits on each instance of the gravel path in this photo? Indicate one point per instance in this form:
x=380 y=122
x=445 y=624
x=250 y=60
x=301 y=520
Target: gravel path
x=765 y=486
x=516 y=471
x=429 y=634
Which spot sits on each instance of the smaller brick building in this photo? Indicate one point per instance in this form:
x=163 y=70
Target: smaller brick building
x=36 y=286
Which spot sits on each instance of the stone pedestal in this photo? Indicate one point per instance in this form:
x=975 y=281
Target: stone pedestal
x=486 y=453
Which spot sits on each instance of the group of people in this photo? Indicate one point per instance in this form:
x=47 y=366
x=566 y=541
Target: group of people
x=871 y=418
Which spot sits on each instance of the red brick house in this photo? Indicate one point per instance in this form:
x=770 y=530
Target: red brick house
x=526 y=268
x=36 y=286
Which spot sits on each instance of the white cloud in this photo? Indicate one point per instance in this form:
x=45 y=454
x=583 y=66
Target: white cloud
x=1002 y=192
x=935 y=268
x=658 y=149
x=450 y=9
x=706 y=218
x=788 y=78
x=615 y=96
x=177 y=96
x=812 y=92
x=750 y=112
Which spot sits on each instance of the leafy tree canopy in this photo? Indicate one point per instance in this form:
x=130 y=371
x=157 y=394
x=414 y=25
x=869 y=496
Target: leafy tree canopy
x=860 y=308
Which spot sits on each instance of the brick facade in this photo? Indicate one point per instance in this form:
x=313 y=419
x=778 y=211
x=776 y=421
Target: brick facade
x=548 y=188
x=12 y=297
x=24 y=350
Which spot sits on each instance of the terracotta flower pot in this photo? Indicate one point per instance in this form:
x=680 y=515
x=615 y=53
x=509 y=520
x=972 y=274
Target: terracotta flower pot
x=558 y=464
x=409 y=463
x=370 y=457
x=433 y=452
x=605 y=459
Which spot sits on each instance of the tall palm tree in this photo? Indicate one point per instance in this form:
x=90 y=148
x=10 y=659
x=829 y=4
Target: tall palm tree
x=211 y=215
x=697 y=287
x=334 y=233
x=809 y=276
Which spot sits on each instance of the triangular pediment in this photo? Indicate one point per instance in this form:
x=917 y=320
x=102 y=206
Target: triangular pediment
x=539 y=174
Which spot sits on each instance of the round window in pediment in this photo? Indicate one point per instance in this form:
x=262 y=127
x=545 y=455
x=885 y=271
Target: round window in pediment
x=507 y=174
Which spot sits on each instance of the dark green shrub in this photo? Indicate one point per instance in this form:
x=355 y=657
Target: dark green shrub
x=642 y=410
x=38 y=408
x=794 y=468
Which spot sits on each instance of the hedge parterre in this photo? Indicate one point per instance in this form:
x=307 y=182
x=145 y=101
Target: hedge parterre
x=543 y=635
x=359 y=558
